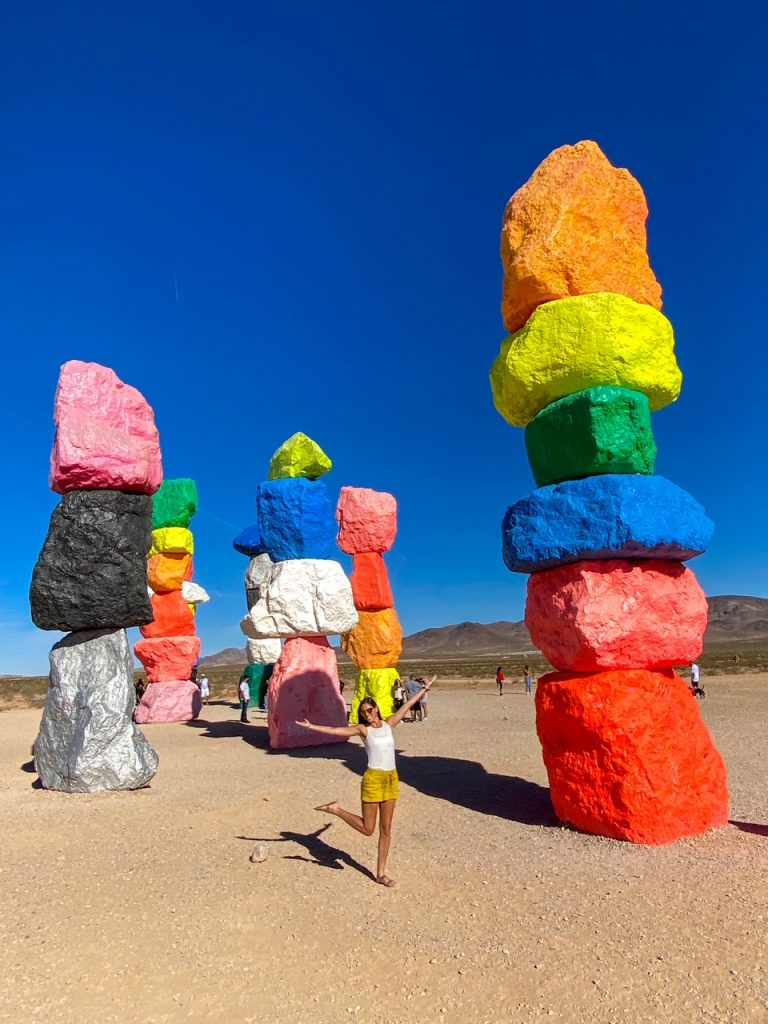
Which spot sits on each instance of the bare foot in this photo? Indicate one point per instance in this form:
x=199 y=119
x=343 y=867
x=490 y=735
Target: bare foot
x=388 y=882
x=330 y=808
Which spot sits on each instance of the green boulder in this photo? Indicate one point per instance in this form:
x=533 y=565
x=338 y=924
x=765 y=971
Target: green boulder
x=258 y=677
x=174 y=504
x=599 y=430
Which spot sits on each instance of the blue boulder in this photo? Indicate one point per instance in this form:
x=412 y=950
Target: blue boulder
x=296 y=519
x=248 y=541
x=599 y=517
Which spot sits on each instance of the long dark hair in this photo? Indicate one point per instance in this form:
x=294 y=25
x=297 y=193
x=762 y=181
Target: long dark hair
x=368 y=702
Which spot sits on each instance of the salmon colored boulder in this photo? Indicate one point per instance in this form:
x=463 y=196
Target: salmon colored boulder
x=367 y=520
x=305 y=684
x=106 y=436
x=371 y=591
x=172 y=616
x=617 y=614
x=629 y=757
x=577 y=226
x=376 y=641
x=175 y=701
x=168 y=658
x=168 y=572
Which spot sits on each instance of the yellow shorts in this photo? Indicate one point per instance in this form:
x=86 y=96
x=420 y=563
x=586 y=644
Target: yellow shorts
x=379 y=785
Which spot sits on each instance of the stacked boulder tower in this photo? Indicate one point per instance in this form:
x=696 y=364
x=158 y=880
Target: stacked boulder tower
x=299 y=594
x=90 y=581
x=169 y=648
x=367 y=527
x=262 y=655
x=611 y=603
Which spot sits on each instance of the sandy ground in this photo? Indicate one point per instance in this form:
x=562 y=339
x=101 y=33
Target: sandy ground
x=145 y=906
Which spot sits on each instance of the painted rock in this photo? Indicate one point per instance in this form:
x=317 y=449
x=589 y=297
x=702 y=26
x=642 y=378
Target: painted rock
x=378 y=683
x=172 y=616
x=168 y=658
x=177 y=700
x=172 y=540
x=299 y=456
x=600 y=430
x=574 y=344
x=87 y=741
x=577 y=226
x=105 y=434
x=304 y=597
x=92 y=570
x=194 y=594
x=263 y=652
x=616 y=615
x=257 y=576
x=168 y=572
x=367 y=520
x=629 y=757
x=601 y=517
x=295 y=518
x=248 y=541
x=376 y=641
x=175 y=503
x=305 y=684
x=258 y=675
x=370 y=582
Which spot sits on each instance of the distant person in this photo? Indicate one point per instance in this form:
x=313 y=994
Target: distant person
x=528 y=679
x=205 y=687
x=500 y=680
x=141 y=687
x=381 y=786
x=424 y=702
x=244 y=691
x=696 y=688
x=412 y=687
x=398 y=693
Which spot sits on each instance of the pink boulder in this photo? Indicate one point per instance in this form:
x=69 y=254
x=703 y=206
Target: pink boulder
x=168 y=658
x=616 y=614
x=629 y=757
x=175 y=701
x=305 y=684
x=367 y=520
x=105 y=434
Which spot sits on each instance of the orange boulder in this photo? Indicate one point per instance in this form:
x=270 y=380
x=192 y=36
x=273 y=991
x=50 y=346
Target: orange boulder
x=168 y=571
x=376 y=641
x=629 y=757
x=371 y=591
x=577 y=226
x=172 y=616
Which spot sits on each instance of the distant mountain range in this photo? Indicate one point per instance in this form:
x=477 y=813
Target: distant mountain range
x=734 y=622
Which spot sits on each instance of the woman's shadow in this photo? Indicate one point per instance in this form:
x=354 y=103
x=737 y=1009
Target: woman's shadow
x=320 y=852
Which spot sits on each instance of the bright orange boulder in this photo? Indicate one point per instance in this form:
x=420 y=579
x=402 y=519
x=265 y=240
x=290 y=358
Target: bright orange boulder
x=577 y=226
x=376 y=641
x=629 y=757
x=172 y=616
x=371 y=591
x=168 y=571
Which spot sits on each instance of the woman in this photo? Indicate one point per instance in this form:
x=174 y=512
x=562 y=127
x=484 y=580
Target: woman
x=381 y=785
x=500 y=679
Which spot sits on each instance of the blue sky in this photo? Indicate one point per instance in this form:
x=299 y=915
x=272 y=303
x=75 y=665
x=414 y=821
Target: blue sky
x=284 y=216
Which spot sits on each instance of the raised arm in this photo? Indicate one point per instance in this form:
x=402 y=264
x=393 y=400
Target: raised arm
x=397 y=718
x=333 y=730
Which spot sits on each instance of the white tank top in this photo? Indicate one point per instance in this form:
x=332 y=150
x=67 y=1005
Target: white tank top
x=380 y=747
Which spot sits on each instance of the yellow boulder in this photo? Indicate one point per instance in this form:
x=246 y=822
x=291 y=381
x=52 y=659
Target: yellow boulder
x=299 y=456
x=172 y=540
x=378 y=683
x=582 y=342
x=576 y=227
x=376 y=641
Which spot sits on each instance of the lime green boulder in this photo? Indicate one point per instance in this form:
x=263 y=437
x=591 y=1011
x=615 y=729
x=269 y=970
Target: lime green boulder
x=174 y=504
x=581 y=342
x=378 y=683
x=600 y=430
x=299 y=456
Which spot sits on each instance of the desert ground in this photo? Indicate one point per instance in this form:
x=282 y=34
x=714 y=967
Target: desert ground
x=145 y=906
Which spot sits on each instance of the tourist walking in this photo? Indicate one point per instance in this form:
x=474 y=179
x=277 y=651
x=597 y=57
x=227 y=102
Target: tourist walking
x=500 y=680
x=528 y=679
x=413 y=686
x=380 y=787
x=245 y=697
x=205 y=688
